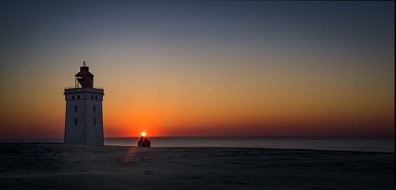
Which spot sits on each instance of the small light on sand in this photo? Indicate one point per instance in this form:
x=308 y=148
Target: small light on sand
x=143 y=134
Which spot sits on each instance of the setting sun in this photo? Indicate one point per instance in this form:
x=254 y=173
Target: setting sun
x=143 y=134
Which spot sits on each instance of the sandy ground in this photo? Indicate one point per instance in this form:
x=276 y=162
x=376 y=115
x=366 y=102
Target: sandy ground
x=59 y=166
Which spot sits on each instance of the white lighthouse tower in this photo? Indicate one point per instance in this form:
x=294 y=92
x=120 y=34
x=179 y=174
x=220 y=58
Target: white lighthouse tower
x=84 y=117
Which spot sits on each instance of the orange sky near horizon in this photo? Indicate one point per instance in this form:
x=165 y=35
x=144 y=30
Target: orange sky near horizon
x=202 y=68
x=215 y=107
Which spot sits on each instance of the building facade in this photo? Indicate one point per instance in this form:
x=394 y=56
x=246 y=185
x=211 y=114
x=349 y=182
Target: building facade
x=84 y=113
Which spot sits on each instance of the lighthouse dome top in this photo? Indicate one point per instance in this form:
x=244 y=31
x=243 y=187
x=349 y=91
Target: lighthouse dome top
x=84 y=77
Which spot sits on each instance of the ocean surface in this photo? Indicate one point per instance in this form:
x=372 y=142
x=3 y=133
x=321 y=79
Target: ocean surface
x=348 y=144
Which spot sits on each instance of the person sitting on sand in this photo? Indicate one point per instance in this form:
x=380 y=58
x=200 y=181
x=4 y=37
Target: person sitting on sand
x=146 y=143
x=140 y=142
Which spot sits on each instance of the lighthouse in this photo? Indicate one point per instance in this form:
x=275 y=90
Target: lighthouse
x=84 y=116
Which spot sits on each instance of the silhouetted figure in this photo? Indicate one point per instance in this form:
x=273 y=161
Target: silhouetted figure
x=141 y=142
x=146 y=143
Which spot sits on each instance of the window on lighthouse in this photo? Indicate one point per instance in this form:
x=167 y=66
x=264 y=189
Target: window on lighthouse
x=75 y=121
x=94 y=108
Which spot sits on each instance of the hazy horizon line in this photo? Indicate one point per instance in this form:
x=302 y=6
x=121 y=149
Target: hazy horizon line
x=245 y=136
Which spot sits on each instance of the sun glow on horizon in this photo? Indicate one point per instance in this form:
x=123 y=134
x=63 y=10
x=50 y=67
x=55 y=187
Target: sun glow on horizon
x=143 y=134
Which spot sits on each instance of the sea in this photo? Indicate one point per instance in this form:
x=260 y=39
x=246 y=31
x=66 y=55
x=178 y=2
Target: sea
x=314 y=143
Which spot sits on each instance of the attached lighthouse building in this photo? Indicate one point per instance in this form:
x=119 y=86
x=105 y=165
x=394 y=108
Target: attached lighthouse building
x=84 y=116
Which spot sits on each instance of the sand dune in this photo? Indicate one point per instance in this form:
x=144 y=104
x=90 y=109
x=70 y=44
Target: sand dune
x=60 y=166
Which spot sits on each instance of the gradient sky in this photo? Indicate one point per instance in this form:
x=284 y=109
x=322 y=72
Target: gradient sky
x=187 y=68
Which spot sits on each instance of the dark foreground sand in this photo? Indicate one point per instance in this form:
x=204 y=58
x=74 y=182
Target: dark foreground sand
x=59 y=166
